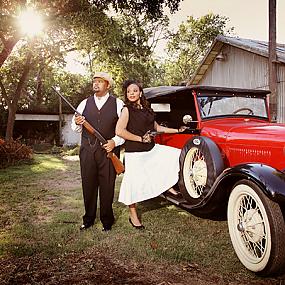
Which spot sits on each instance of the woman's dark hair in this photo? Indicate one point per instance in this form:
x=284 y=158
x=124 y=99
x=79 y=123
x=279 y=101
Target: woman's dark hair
x=143 y=99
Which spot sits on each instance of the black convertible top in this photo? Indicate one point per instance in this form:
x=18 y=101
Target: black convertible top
x=152 y=92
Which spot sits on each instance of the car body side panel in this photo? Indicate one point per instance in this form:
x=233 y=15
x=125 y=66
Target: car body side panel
x=247 y=141
x=174 y=140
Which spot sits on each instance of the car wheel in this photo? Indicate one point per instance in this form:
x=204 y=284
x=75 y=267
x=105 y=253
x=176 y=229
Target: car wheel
x=257 y=229
x=200 y=164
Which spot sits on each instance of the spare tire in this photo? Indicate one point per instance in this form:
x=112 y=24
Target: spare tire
x=200 y=164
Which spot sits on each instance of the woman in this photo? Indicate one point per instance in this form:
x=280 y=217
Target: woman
x=150 y=169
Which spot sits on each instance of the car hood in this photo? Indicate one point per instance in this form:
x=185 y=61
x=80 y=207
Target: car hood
x=267 y=132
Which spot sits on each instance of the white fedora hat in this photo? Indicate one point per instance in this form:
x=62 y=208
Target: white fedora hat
x=104 y=75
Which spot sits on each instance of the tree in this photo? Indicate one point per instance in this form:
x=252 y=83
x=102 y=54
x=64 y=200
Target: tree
x=29 y=61
x=69 y=10
x=9 y=33
x=67 y=21
x=189 y=44
x=14 y=97
x=129 y=48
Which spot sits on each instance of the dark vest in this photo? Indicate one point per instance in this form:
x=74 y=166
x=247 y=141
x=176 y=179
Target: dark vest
x=140 y=121
x=103 y=120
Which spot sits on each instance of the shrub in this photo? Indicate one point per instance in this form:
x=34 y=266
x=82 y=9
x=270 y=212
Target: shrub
x=13 y=152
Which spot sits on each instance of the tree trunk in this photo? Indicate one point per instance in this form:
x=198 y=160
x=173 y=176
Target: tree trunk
x=16 y=97
x=39 y=88
x=10 y=123
x=7 y=49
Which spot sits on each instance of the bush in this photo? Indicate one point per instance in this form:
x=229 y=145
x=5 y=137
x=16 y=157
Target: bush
x=13 y=152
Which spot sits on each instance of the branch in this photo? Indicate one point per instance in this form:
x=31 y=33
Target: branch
x=22 y=79
x=8 y=47
x=2 y=38
x=155 y=37
x=4 y=93
x=71 y=49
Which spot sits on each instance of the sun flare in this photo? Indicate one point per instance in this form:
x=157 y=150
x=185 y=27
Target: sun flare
x=30 y=22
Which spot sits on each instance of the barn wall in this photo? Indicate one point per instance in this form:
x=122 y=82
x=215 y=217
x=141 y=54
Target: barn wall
x=240 y=69
x=281 y=93
x=244 y=69
x=69 y=137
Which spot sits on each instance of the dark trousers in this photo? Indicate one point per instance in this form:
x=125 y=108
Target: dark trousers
x=98 y=175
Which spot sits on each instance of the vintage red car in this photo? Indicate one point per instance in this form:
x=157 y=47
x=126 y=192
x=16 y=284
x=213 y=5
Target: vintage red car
x=232 y=165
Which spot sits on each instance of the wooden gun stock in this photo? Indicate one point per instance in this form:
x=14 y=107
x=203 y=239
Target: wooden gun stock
x=118 y=165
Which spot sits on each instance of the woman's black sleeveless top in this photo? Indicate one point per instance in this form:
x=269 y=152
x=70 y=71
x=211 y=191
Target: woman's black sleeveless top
x=140 y=121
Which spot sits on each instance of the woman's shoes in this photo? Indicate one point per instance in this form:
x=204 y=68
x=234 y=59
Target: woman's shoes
x=172 y=192
x=141 y=227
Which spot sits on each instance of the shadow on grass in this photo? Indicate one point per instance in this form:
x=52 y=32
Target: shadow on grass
x=154 y=204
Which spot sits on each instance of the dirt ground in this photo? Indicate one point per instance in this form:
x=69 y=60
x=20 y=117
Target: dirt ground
x=95 y=267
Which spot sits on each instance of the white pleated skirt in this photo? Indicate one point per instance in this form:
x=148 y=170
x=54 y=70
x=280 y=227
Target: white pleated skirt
x=149 y=174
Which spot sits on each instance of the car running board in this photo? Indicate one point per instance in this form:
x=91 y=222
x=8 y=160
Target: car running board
x=177 y=200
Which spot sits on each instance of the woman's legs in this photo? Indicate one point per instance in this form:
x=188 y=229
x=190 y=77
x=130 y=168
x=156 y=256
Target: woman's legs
x=134 y=216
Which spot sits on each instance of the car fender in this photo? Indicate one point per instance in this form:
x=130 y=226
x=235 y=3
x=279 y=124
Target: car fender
x=269 y=179
x=214 y=206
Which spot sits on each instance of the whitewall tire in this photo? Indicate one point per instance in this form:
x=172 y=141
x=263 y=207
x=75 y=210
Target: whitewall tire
x=257 y=229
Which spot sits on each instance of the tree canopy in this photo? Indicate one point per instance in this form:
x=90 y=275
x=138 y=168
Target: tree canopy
x=117 y=43
x=67 y=12
x=189 y=44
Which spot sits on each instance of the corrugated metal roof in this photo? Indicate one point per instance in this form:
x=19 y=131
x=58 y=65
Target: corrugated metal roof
x=253 y=46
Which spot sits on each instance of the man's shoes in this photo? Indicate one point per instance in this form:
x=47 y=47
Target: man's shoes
x=106 y=229
x=84 y=227
x=141 y=227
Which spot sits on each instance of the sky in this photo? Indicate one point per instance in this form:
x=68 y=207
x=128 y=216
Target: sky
x=248 y=17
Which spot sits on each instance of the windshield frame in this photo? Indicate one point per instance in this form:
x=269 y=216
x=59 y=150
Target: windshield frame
x=207 y=100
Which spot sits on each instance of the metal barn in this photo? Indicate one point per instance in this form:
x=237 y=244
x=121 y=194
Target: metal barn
x=242 y=63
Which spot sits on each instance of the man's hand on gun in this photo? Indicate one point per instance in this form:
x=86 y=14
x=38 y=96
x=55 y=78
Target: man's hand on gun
x=79 y=120
x=109 y=146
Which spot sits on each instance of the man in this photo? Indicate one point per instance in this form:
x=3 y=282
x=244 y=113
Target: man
x=102 y=111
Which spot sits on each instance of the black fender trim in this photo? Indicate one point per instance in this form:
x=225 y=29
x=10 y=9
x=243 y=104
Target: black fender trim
x=269 y=179
x=214 y=205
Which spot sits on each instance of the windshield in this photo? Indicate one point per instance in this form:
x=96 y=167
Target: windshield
x=213 y=106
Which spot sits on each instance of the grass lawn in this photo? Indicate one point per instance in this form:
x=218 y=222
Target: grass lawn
x=40 y=213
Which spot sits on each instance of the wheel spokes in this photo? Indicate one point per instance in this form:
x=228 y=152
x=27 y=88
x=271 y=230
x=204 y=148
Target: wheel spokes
x=197 y=172
x=251 y=226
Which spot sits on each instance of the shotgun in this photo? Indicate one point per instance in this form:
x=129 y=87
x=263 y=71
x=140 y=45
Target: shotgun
x=118 y=165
